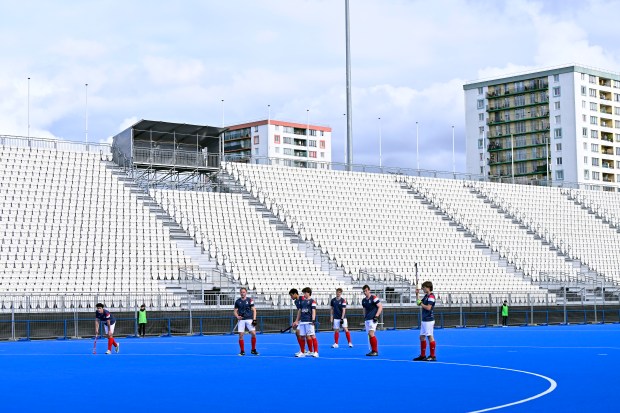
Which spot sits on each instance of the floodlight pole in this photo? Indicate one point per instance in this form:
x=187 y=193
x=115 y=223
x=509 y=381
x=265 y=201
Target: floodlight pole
x=28 y=107
x=348 y=75
x=86 y=114
x=380 y=146
x=417 y=142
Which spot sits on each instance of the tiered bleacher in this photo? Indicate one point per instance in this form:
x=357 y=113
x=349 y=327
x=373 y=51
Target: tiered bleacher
x=253 y=250
x=68 y=224
x=368 y=222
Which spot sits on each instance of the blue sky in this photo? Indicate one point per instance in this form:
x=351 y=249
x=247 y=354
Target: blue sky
x=176 y=61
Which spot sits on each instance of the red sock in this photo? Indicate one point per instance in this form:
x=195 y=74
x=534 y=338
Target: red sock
x=302 y=343
x=242 y=345
x=373 y=344
x=114 y=342
x=423 y=347
x=348 y=336
x=110 y=341
x=253 y=343
x=336 y=336
x=310 y=345
x=432 y=348
x=316 y=344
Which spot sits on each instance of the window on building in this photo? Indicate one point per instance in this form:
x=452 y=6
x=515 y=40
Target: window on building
x=481 y=117
x=586 y=174
x=557 y=133
x=288 y=151
x=558 y=119
x=583 y=76
x=480 y=90
x=559 y=175
x=322 y=144
x=595 y=162
x=256 y=140
x=558 y=161
x=583 y=118
x=255 y=128
x=556 y=105
x=277 y=149
x=585 y=160
x=617 y=124
x=481 y=130
x=482 y=170
x=312 y=143
x=593 y=106
x=480 y=103
x=312 y=154
x=592 y=79
x=618 y=165
x=558 y=146
x=593 y=120
x=288 y=129
x=556 y=78
x=481 y=156
x=312 y=132
x=584 y=132
x=616 y=110
x=519 y=100
x=616 y=97
x=288 y=141
x=277 y=127
x=480 y=143
x=617 y=137
x=556 y=91
x=584 y=90
x=594 y=134
x=617 y=151
x=594 y=148
x=322 y=154
x=520 y=127
x=583 y=104
x=617 y=84
x=322 y=133
x=521 y=168
x=592 y=92
x=596 y=176
x=256 y=151
x=520 y=140
x=276 y=138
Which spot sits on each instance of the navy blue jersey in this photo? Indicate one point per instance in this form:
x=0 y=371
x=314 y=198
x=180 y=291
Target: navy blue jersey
x=427 y=315
x=105 y=316
x=338 y=304
x=370 y=307
x=306 y=306
x=244 y=308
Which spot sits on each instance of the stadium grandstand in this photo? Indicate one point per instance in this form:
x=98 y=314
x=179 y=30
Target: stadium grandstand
x=155 y=218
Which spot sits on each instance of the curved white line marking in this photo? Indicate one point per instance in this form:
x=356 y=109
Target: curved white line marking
x=551 y=387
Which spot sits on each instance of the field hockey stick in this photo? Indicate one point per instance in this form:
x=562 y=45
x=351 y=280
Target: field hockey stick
x=235 y=328
x=286 y=329
x=95 y=345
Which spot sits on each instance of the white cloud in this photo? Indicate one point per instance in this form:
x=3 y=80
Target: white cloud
x=410 y=59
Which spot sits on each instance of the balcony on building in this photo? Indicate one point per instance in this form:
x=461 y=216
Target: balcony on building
x=604 y=95
x=299 y=142
x=607 y=150
x=608 y=177
x=606 y=123
x=299 y=153
x=604 y=82
x=607 y=164
x=606 y=109
x=607 y=136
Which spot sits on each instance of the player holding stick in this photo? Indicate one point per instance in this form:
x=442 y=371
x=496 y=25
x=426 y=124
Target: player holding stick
x=306 y=319
x=338 y=309
x=372 y=310
x=428 y=321
x=294 y=294
x=245 y=312
x=108 y=324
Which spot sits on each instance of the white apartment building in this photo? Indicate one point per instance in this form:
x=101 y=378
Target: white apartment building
x=560 y=125
x=286 y=143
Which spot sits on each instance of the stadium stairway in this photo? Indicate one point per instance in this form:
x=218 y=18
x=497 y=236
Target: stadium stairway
x=291 y=232
x=190 y=286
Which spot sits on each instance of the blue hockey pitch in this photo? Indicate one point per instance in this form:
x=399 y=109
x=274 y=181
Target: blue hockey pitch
x=514 y=369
